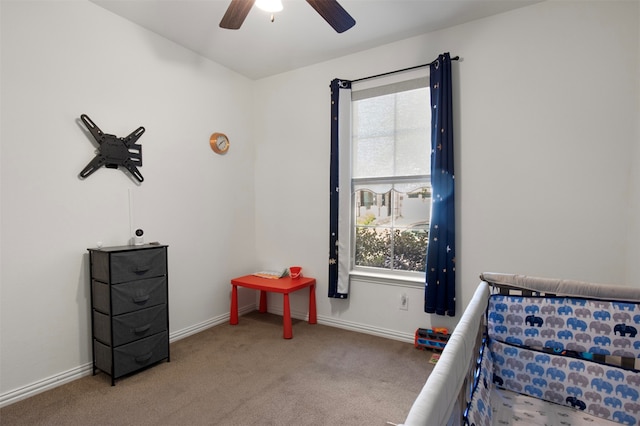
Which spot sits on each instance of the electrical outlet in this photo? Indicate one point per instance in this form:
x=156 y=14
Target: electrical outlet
x=404 y=302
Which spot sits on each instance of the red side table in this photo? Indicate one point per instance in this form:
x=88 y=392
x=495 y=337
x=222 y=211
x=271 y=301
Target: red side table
x=285 y=286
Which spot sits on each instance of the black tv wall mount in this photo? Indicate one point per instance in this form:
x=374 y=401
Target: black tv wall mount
x=114 y=151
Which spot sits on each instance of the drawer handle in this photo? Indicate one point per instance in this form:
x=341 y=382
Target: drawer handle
x=141 y=299
x=144 y=358
x=141 y=269
x=142 y=329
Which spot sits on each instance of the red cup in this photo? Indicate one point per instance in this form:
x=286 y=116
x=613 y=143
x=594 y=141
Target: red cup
x=295 y=272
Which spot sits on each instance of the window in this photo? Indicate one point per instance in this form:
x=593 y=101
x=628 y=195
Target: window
x=390 y=182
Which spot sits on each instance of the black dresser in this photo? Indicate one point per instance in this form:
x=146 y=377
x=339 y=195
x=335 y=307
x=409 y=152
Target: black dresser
x=129 y=308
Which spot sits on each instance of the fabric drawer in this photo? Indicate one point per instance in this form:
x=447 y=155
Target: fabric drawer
x=134 y=265
x=131 y=296
x=100 y=265
x=133 y=356
x=130 y=327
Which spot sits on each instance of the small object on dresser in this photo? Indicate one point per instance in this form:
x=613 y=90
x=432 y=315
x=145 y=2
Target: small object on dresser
x=138 y=239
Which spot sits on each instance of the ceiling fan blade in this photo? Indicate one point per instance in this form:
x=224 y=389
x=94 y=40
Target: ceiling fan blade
x=334 y=14
x=236 y=14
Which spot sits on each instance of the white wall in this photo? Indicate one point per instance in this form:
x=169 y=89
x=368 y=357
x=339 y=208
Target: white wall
x=633 y=252
x=64 y=59
x=547 y=120
x=547 y=143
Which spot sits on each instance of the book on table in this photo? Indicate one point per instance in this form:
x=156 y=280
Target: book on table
x=272 y=274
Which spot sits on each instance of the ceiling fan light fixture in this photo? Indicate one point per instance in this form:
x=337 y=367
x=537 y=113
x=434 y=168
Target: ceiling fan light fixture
x=270 y=6
x=330 y=10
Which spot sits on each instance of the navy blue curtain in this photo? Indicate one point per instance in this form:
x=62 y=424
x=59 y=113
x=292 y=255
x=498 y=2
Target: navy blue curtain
x=440 y=287
x=335 y=290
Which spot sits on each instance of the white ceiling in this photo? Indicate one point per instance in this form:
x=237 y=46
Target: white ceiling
x=299 y=36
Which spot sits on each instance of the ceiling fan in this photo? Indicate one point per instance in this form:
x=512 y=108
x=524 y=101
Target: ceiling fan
x=330 y=10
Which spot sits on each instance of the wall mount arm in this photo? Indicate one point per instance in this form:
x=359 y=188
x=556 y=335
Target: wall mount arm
x=114 y=151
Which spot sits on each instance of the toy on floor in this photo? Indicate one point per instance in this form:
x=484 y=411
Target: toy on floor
x=431 y=338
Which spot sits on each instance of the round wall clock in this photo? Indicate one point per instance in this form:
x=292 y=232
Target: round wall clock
x=219 y=143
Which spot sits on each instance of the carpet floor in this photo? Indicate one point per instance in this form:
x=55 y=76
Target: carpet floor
x=247 y=375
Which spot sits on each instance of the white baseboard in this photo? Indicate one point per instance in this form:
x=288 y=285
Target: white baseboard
x=51 y=382
x=349 y=325
x=367 y=329
x=197 y=328
x=75 y=373
x=59 y=379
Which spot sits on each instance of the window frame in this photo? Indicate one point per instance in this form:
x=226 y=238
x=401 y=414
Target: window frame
x=375 y=274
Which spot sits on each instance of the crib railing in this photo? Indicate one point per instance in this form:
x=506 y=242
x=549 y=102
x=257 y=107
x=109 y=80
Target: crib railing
x=453 y=376
x=445 y=395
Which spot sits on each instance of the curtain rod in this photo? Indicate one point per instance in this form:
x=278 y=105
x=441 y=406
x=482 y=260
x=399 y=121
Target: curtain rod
x=455 y=58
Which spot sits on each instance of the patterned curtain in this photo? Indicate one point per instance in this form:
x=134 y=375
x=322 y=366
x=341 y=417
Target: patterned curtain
x=339 y=226
x=440 y=287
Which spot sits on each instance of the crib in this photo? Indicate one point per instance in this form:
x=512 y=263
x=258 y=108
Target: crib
x=540 y=351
